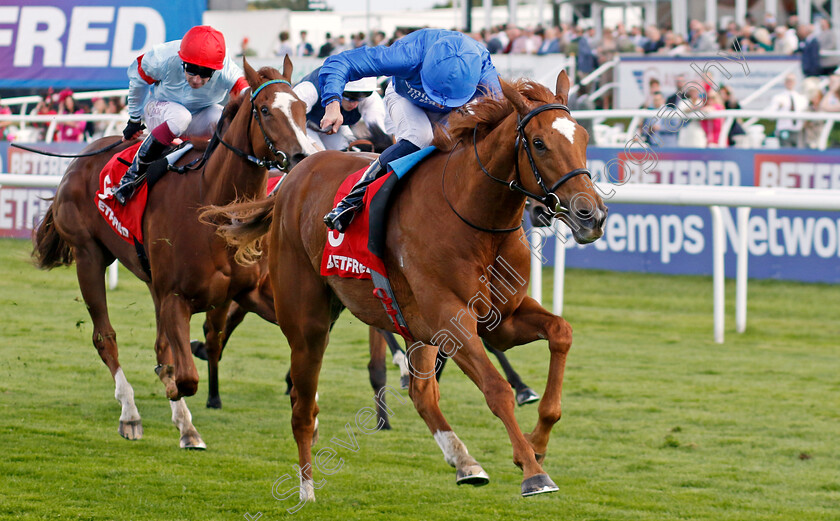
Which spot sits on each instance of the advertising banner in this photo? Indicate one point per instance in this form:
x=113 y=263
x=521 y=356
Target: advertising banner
x=85 y=44
x=743 y=75
x=783 y=244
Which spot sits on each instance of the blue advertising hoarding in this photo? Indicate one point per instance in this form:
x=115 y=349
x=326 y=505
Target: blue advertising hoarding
x=784 y=244
x=85 y=44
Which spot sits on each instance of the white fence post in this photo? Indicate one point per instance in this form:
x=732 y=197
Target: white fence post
x=719 y=243
x=743 y=261
x=559 y=268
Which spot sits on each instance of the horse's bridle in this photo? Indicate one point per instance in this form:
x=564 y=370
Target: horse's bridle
x=283 y=162
x=522 y=139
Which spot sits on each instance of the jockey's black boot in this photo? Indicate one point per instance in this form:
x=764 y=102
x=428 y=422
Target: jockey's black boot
x=149 y=151
x=340 y=217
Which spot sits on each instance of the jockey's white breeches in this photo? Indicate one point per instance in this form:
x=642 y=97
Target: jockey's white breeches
x=407 y=121
x=179 y=120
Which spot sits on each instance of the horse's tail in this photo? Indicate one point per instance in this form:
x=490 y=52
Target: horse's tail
x=242 y=224
x=49 y=249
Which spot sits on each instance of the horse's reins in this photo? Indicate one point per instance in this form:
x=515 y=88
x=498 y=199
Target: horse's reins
x=516 y=184
x=283 y=163
x=53 y=154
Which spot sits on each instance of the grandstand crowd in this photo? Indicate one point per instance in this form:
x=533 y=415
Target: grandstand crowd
x=814 y=43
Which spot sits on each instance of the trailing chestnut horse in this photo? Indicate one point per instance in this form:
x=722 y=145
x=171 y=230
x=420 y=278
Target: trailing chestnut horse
x=192 y=270
x=455 y=283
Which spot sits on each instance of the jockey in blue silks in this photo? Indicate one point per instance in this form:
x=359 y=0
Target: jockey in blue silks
x=433 y=72
x=359 y=102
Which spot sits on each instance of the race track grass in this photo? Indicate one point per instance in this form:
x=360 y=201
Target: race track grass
x=659 y=421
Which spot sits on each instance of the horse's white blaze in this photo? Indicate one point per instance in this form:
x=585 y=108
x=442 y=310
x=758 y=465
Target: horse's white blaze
x=124 y=394
x=283 y=101
x=454 y=451
x=566 y=127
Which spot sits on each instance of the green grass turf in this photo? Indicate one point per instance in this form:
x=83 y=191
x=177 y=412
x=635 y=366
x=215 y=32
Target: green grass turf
x=659 y=421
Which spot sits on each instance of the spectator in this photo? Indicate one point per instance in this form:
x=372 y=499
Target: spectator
x=831 y=101
x=378 y=39
x=526 y=43
x=678 y=95
x=497 y=42
x=327 y=48
x=607 y=50
x=788 y=130
x=653 y=40
x=70 y=130
x=4 y=125
x=282 y=47
x=656 y=132
x=654 y=86
x=704 y=39
x=712 y=126
x=512 y=32
x=785 y=41
x=44 y=107
x=340 y=45
x=304 y=48
x=828 y=42
x=586 y=59
x=245 y=50
x=761 y=40
x=96 y=129
x=812 y=129
x=730 y=102
x=551 y=43
x=809 y=46
x=691 y=134
x=625 y=41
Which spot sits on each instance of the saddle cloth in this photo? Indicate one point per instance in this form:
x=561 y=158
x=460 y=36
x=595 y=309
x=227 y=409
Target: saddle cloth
x=126 y=221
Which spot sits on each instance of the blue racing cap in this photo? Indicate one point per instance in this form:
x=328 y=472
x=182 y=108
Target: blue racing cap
x=451 y=71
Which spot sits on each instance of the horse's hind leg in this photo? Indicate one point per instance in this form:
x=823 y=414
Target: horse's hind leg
x=215 y=337
x=90 y=270
x=524 y=394
x=424 y=392
x=378 y=376
x=398 y=356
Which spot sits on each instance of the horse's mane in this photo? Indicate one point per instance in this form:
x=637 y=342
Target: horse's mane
x=486 y=113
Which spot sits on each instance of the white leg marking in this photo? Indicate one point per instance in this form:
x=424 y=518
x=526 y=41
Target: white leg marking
x=400 y=361
x=307 y=489
x=454 y=451
x=125 y=395
x=283 y=101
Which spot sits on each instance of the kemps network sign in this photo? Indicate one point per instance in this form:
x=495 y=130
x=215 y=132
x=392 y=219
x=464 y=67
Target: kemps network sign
x=85 y=43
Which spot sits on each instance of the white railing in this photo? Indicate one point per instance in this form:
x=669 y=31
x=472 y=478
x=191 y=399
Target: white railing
x=715 y=197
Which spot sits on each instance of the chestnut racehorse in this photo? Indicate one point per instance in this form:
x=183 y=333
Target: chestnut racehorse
x=454 y=245
x=192 y=270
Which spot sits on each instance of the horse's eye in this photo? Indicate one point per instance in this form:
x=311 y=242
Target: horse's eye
x=264 y=111
x=538 y=144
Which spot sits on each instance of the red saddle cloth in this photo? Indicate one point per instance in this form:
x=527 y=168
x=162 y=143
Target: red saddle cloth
x=126 y=221
x=347 y=254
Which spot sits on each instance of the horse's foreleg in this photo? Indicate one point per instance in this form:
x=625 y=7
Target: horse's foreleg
x=181 y=417
x=90 y=270
x=528 y=323
x=378 y=376
x=472 y=359
x=174 y=321
x=424 y=392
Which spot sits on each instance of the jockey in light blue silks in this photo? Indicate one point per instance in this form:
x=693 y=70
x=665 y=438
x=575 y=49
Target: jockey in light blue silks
x=433 y=72
x=359 y=102
x=177 y=87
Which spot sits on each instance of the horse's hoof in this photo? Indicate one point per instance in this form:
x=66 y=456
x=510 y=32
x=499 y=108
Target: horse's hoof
x=538 y=484
x=404 y=382
x=131 y=430
x=214 y=402
x=473 y=475
x=525 y=396
x=198 y=350
x=192 y=442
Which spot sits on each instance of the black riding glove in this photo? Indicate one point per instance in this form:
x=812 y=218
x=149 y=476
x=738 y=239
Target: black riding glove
x=133 y=127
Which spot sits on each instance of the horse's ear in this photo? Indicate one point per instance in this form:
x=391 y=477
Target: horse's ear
x=562 y=87
x=287 y=68
x=514 y=97
x=251 y=75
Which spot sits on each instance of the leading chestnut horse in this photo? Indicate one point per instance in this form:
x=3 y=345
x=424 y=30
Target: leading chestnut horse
x=458 y=261
x=192 y=270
